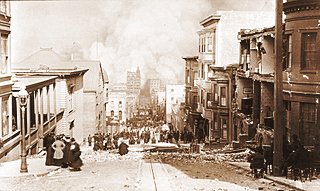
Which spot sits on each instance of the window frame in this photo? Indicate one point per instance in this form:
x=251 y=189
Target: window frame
x=303 y=64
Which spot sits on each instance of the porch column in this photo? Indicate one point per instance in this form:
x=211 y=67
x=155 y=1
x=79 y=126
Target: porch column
x=41 y=119
x=36 y=111
x=48 y=105
x=1 y=117
x=10 y=115
x=54 y=91
x=28 y=127
x=18 y=115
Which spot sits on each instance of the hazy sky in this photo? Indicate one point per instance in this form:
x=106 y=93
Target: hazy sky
x=122 y=34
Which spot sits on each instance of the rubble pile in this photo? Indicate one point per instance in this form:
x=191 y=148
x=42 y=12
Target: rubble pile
x=217 y=155
x=88 y=155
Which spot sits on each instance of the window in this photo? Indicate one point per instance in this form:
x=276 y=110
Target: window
x=223 y=128
x=215 y=91
x=308 y=123
x=4 y=7
x=5 y=117
x=210 y=42
x=194 y=103
x=289 y=54
x=209 y=100
x=309 y=57
x=223 y=95
x=4 y=54
x=203 y=44
x=71 y=99
x=112 y=113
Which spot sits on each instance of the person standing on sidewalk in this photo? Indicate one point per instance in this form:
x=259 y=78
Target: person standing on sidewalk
x=57 y=146
x=89 y=140
x=49 y=156
x=66 y=152
x=75 y=160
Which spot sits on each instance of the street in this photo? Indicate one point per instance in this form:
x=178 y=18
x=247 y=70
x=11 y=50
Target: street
x=107 y=170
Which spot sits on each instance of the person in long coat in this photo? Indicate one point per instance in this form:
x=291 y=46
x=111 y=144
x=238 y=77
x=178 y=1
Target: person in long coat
x=58 y=146
x=49 y=149
x=75 y=160
x=66 y=152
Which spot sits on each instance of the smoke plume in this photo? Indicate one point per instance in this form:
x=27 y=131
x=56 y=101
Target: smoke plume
x=122 y=34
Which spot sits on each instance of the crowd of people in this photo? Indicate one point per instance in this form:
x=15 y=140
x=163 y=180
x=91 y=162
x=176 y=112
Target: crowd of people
x=295 y=155
x=150 y=135
x=64 y=151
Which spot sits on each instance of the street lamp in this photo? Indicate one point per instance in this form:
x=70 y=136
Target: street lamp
x=23 y=99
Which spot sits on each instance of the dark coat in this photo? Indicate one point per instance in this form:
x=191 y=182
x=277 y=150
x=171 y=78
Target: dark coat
x=66 y=154
x=50 y=151
x=75 y=160
x=123 y=148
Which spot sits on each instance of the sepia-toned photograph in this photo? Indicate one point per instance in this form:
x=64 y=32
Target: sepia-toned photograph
x=159 y=95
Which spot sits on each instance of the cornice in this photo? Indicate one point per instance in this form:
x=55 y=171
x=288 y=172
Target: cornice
x=297 y=6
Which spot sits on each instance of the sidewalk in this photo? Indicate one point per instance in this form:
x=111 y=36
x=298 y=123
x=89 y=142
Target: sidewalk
x=308 y=185
x=36 y=167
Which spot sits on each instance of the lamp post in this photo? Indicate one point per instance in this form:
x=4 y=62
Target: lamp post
x=23 y=99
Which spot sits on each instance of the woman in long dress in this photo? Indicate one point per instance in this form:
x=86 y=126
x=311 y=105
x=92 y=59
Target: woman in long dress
x=58 y=146
x=50 y=151
x=75 y=160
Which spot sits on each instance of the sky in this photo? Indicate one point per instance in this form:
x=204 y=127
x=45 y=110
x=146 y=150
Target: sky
x=153 y=35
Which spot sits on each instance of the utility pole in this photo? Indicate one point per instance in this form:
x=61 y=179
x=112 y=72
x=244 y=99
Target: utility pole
x=278 y=96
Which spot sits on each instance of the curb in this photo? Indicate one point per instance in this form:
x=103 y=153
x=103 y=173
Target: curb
x=270 y=178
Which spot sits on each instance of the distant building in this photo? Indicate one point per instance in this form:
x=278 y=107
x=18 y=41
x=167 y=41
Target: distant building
x=191 y=96
x=116 y=107
x=175 y=94
x=133 y=82
x=154 y=87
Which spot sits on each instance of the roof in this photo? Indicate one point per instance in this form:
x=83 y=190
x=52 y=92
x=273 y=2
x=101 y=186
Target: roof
x=32 y=82
x=249 y=33
x=190 y=57
x=210 y=19
x=48 y=62
x=91 y=77
x=49 y=72
x=105 y=76
x=43 y=58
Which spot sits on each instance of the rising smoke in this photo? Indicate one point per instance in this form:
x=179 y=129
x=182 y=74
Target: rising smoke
x=153 y=35
x=122 y=34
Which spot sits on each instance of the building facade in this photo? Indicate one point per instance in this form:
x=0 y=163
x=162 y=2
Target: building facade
x=301 y=71
x=70 y=95
x=217 y=39
x=254 y=94
x=116 y=107
x=191 y=96
x=134 y=82
x=175 y=94
x=7 y=131
x=94 y=96
x=154 y=87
